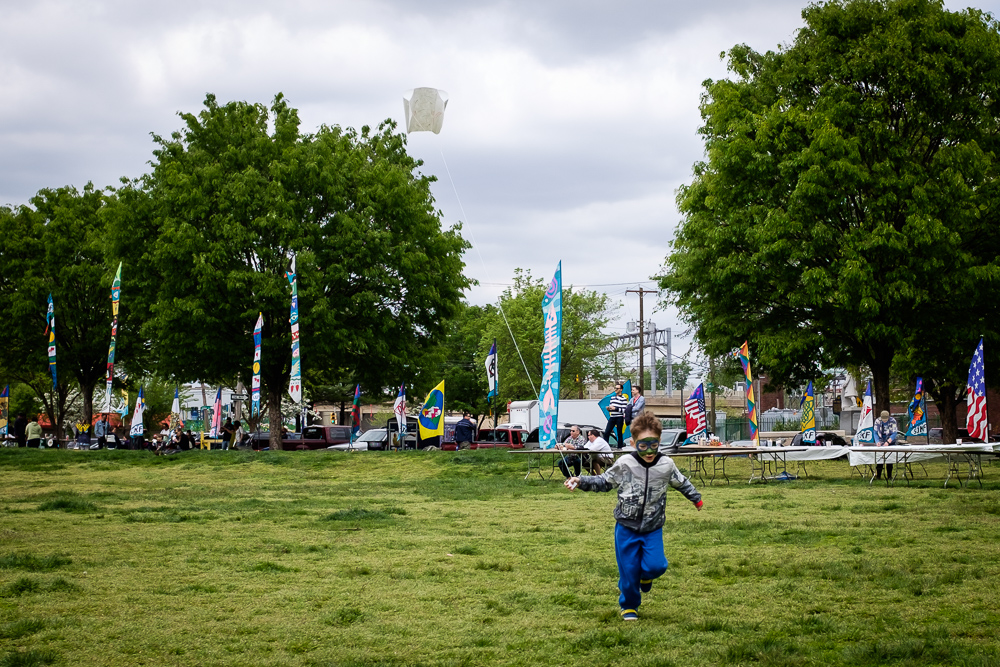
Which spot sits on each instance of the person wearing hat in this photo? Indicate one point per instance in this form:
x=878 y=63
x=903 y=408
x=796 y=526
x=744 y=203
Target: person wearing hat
x=886 y=433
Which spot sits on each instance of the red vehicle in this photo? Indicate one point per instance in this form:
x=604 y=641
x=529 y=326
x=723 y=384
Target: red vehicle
x=504 y=435
x=313 y=437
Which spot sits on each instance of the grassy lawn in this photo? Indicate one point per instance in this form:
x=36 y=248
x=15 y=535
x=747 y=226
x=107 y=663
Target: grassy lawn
x=452 y=558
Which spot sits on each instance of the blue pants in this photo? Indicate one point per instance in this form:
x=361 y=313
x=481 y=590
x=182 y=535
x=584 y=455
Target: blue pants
x=639 y=556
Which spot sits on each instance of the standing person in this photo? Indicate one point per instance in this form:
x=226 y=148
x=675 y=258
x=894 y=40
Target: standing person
x=886 y=433
x=616 y=419
x=642 y=478
x=101 y=431
x=573 y=441
x=20 y=424
x=635 y=406
x=227 y=433
x=465 y=432
x=237 y=434
x=33 y=434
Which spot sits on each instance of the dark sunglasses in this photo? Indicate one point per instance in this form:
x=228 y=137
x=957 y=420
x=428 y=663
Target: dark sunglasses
x=647 y=444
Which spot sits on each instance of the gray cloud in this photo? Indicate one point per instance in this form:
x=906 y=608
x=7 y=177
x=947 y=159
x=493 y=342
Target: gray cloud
x=569 y=127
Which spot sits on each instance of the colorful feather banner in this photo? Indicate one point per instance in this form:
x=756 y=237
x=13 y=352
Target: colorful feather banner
x=116 y=286
x=744 y=356
x=295 y=378
x=255 y=385
x=548 y=396
x=808 y=421
x=50 y=329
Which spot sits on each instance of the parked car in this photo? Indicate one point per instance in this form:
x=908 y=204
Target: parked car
x=372 y=439
x=504 y=435
x=671 y=439
x=312 y=437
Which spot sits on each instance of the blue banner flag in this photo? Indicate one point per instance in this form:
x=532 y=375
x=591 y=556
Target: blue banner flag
x=918 y=413
x=50 y=330
x=548 y=397
x=255 y=382
x=491 y=373
x=605 y=402
x=295 y=377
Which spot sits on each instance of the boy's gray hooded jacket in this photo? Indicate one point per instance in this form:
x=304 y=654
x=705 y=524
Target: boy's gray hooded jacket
x=642 y=489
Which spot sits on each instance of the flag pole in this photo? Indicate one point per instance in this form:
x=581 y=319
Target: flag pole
x=496 y=396
x=986 y=394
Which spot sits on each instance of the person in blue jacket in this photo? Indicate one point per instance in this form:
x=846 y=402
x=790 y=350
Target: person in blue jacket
x=642 y=478
x=465 y=431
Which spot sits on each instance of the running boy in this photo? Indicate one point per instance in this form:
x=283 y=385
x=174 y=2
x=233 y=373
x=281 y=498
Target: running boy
x=641 y=478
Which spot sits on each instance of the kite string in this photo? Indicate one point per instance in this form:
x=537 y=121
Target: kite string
x=486 y=269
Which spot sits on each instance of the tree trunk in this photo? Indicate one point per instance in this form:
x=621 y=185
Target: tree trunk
x=946 y=397
x=880 y=365
x=88 y=404
x=274 y=417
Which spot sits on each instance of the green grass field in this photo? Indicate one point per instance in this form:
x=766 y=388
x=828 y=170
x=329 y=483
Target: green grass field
x=452 y=558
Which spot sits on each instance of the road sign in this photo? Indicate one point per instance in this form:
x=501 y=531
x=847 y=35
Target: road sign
x=240 y=397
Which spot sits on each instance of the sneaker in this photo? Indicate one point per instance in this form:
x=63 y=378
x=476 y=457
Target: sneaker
x=629 y=615
x=645 y=585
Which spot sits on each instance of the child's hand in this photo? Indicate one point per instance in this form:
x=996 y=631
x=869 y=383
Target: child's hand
x=572 y=483
x=698 y=505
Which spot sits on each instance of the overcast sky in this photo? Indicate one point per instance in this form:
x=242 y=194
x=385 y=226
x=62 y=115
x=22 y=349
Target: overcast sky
x=569 y=127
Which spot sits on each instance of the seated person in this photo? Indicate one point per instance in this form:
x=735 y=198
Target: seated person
x=599 y=445
x=574 y=441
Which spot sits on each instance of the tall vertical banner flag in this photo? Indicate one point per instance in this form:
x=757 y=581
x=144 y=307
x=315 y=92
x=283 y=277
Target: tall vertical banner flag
x=116 y=289
x=399 y=408
x=918 y=412
x=255 y=384
x=50 y=329
x=175 y=409
x=975 y=399
x=695 y=418
x=548 y=396
x=4 y=410
x=430 y=421
x=744 y=356
x=295 y=378
x=356 y=412
x=807 y=408
x=866 y=427
x=216 y=415
x=491 y=373
x=140 y=407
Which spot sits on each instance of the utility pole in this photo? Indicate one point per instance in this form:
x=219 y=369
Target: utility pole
x=642 y=338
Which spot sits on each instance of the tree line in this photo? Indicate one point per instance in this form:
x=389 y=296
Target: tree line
x=847 y=212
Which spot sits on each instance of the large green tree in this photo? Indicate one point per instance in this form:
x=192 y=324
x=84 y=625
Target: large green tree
x=54 y=245
x=209 y=234
x=585 y=314
x=848 y=203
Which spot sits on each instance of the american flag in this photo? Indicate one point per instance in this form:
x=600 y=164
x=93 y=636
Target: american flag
x=694 y=413
x=975 y=421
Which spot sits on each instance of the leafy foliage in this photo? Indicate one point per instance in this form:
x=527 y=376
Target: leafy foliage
x=584 y=316
x=232 y=196
x=848 y=205
x=54 y=246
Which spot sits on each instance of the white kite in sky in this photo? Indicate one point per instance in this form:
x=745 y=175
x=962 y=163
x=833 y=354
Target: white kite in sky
x=424 y=110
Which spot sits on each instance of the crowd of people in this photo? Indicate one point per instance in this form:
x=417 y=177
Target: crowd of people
x=29 y=433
